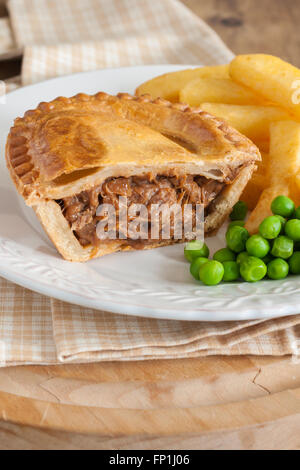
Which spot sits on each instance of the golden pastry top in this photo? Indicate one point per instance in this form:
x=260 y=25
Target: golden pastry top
x=70 y=139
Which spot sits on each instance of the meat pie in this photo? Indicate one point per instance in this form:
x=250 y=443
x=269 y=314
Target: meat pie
x=70 y=156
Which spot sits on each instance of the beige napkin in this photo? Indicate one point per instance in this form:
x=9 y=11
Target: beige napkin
x=61 y=37
x=80 y=35
x=7 y=43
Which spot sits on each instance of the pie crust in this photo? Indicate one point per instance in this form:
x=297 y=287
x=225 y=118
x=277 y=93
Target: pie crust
x=71 y=145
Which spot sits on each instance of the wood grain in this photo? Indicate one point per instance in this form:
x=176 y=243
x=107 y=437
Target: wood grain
x=8 y=68
x=252 y=26
x=3 y=10
x=282 y=434
x=213 y=402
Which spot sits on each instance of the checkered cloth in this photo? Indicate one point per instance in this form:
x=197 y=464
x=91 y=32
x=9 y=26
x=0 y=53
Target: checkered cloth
x=65 y=36
x=7 y=43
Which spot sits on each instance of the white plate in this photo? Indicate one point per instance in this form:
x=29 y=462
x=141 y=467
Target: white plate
x=153 y=283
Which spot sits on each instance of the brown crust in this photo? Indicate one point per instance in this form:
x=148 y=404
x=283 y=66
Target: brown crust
x=81 y=133
x=59 y=232
x=102 y=136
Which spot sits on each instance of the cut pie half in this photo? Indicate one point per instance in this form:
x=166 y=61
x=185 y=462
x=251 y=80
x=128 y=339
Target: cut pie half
x=69 y=156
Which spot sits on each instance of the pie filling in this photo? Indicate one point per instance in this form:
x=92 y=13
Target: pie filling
x=80 y=210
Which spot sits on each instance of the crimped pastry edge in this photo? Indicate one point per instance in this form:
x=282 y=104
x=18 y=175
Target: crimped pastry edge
x=25 y=174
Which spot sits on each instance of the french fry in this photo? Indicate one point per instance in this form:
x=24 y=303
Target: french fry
x=263 y=207
x=285 y=161
x=258 y=182
x=168 y=86
x=270 y=77
x=284 y=150
x=297 y=181
x=284 y=168
x=263 y=145
x=253 y=190
x=217 y=90
x=252 y=121
x=294 y=192
x=263 y=167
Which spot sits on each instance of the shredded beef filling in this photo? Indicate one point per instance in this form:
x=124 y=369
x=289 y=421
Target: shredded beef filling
x=80 y=210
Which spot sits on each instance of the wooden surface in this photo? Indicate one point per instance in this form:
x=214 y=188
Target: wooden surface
x=210 y=403
x=252 y=26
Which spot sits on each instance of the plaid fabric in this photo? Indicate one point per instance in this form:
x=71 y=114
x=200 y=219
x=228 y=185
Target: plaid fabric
x=12 y=84
x=83 y=335
x=26 y=333
x=87 y=35
x=61 y=37
x=7 y=42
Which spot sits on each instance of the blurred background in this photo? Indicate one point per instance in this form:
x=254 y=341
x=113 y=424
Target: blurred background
x=270 y=26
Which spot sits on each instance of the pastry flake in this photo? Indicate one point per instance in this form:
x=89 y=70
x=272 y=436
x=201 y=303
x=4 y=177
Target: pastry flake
x=69 y=155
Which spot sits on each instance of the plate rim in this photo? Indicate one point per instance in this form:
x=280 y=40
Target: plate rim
x=49 y=290
x=100 y=70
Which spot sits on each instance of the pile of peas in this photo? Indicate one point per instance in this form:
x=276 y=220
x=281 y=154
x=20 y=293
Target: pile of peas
x=272 y=252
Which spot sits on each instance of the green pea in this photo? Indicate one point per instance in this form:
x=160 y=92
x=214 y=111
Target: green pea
x=195 y=249
x=282 y=221
x=241 y=257
x=231 y=271
x=253 y=269
x=257 y=246
x=195 y=266
x=268 y=258
x=239 y=211
x=278 y=269
x=211 y=273
x=283 y=206
x=270 y=227
x=236 y=238
x=296 y=214
x=282 y=247
x=224 y=254
x=292 y=229
x=294 y=262
x=241 y=223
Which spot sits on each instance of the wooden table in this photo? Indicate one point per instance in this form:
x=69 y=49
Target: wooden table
x=208 y=403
